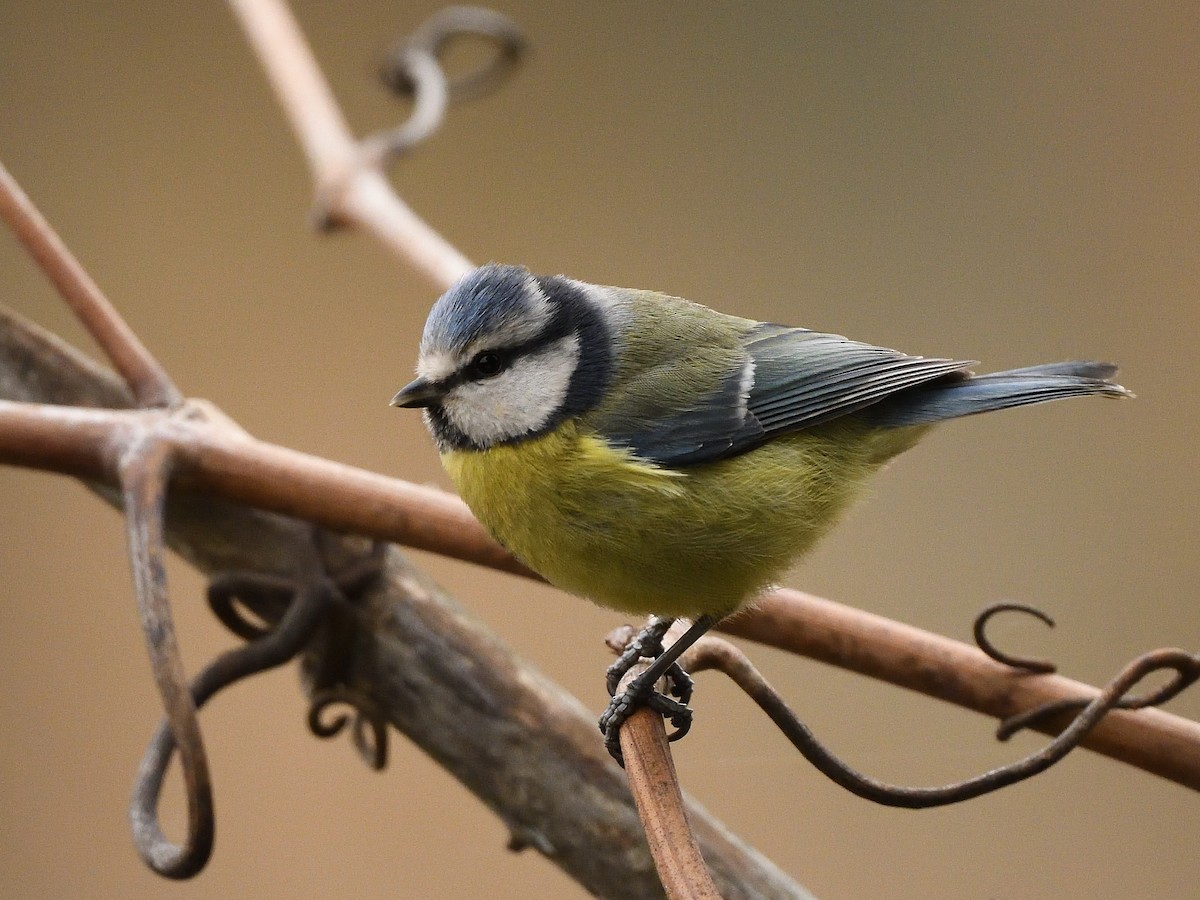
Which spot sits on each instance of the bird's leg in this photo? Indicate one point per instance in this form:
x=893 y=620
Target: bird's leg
x=647 y=643
x=640 y=691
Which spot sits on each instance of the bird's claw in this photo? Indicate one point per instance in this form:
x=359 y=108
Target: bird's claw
x=627 y=702
x=640 y=692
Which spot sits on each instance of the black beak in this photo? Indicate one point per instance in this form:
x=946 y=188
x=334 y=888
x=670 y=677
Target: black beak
x=419 y=393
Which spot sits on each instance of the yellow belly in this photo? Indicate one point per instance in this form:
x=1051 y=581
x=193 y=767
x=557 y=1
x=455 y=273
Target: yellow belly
x=596 y=522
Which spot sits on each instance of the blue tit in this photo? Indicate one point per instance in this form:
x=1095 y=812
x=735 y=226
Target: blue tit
x=657 y=456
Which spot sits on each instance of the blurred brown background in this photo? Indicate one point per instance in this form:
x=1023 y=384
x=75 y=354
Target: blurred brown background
x=1015 y=183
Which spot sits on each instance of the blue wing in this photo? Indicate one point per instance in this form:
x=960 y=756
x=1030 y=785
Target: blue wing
x=783 y=380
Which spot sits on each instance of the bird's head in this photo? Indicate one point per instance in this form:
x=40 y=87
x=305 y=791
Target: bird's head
x=506 y=356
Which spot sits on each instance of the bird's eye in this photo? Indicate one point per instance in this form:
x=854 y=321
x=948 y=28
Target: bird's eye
x=487 y=364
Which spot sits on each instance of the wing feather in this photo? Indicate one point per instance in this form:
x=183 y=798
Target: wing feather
x=784 y=380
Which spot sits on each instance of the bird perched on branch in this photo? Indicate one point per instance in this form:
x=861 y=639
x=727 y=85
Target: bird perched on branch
x=659 y=457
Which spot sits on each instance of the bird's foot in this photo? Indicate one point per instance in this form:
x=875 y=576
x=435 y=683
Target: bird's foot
x=671 y=705
x=622 y=706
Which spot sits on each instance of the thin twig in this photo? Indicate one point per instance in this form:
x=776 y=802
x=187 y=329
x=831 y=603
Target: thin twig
x=350 y=189
x=1049 y=715
x=413 y=69
x=655 y=788
x=432 y=93
x=146 y=378
x=373 y=749
x=451 y=23
x=75 y=442
x=654 y=784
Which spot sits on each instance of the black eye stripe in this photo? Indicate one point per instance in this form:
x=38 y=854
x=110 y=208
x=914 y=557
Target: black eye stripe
x=555 y=331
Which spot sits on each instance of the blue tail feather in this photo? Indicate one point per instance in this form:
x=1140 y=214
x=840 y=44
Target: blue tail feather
x=949 y=399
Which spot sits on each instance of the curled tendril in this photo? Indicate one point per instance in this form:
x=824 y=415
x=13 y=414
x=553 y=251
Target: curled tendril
x=450 y=24
x=1186 y=671
x=274 y=648
x=413 y=68
x=301 y=602
x=714 y=653
x=226 y=591
x=372 y=743
x=1186 y=668
x=1039 y=666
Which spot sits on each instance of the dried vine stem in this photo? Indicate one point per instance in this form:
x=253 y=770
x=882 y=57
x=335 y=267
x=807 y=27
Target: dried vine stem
x=310 y=592
x=950 y=670
x=413 y=69
x=145 y=469
x=984 y=643
x=350 y=184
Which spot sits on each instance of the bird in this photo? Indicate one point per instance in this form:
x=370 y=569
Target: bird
x=662 y=458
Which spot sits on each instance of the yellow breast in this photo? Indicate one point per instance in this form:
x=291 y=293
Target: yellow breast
x=597 y=522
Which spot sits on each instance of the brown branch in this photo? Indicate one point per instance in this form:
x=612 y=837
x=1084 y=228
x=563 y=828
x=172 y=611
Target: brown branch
x=146 y=378
x=75 y=442
x=79 y=442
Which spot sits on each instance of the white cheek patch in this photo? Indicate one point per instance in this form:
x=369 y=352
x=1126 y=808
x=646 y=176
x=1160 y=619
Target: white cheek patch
x=517 y=402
